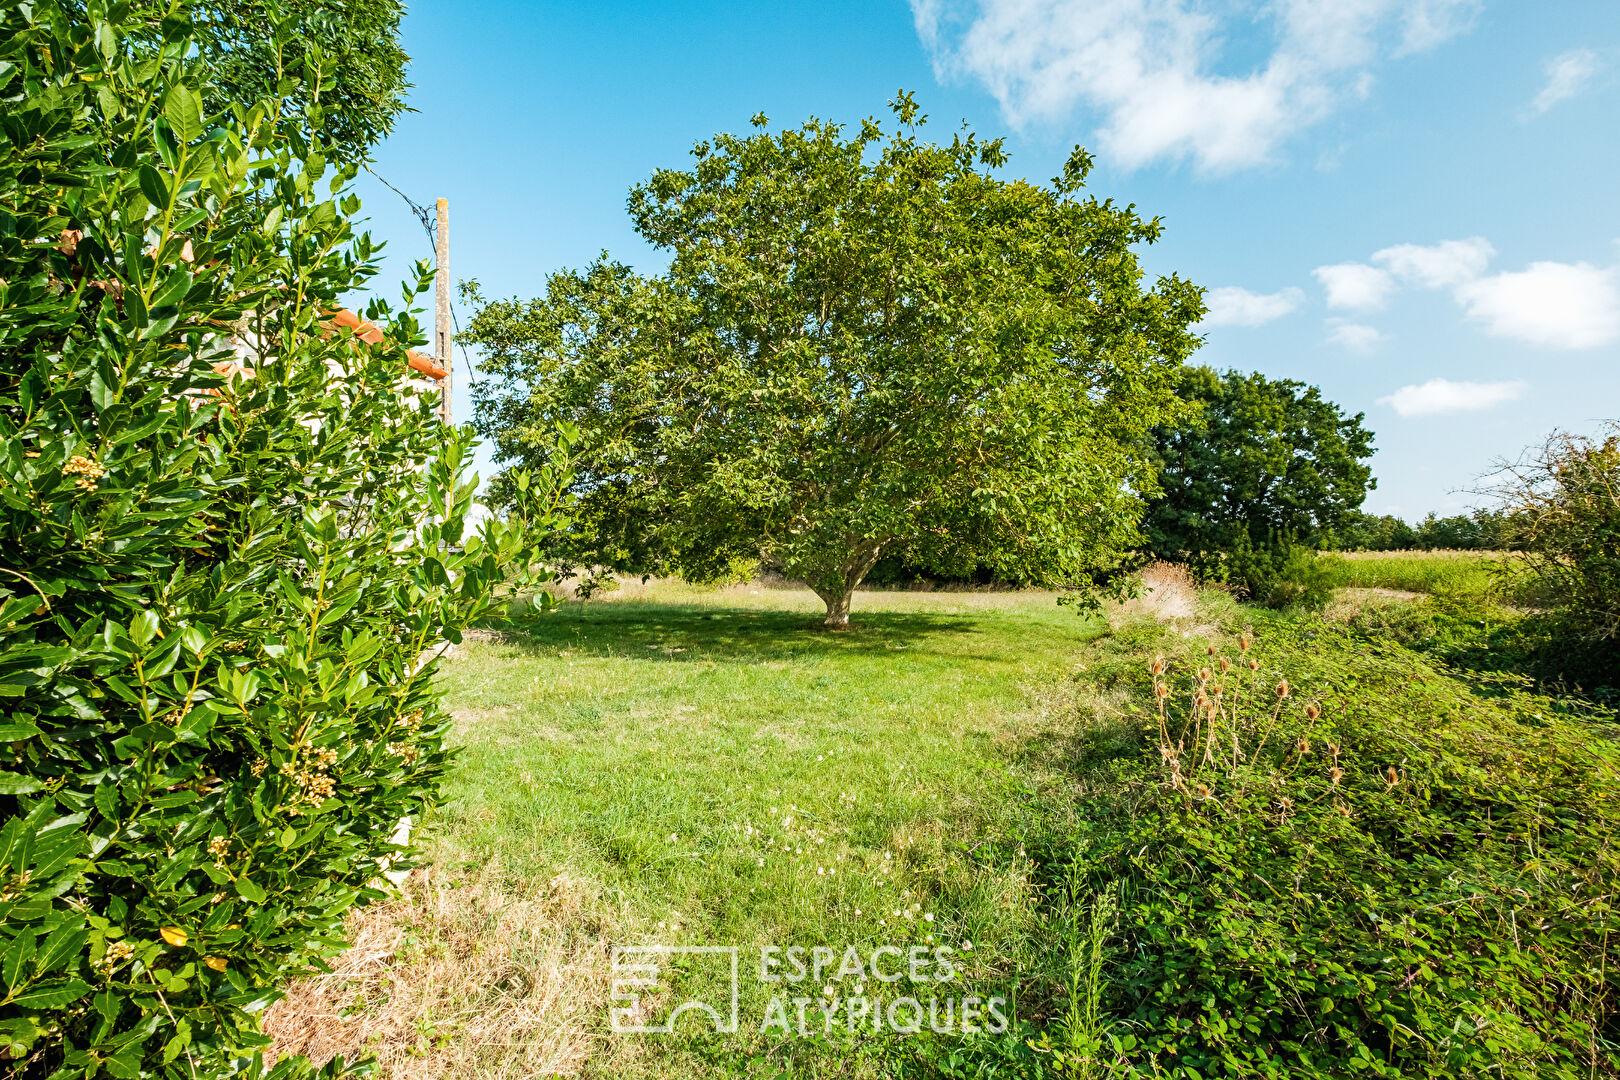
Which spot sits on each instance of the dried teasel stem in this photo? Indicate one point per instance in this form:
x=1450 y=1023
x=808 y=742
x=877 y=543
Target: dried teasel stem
x=1271 y=725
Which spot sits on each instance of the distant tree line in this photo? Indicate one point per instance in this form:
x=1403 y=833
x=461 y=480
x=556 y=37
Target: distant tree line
x=1483 y=530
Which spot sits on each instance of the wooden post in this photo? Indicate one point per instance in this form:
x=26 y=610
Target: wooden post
x=441 y=317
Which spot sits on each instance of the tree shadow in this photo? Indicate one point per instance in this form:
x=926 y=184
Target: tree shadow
x=673 y=633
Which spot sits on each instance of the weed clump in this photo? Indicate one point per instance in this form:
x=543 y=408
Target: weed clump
x=1342 y=861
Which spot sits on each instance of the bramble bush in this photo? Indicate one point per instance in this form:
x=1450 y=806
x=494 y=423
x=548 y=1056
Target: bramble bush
x=214 y=588
x=1567 y=493
x=1338 y=861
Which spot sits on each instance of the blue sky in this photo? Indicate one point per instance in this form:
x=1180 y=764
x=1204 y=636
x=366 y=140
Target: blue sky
x=1411 y=203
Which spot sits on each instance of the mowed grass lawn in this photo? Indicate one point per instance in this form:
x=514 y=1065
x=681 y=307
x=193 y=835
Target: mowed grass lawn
x=713 y=768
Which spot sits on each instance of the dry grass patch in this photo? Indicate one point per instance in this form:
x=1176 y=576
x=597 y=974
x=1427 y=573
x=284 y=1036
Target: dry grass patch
x=1350 y=602
x=1169 y=595
x=460 y=977
x=1454 y=554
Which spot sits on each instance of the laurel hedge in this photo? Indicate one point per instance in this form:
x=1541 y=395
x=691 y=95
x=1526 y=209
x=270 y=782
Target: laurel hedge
x=215 y=583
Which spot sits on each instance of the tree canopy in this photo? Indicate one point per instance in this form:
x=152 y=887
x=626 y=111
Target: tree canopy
x=864 y=343
x=1254 y=462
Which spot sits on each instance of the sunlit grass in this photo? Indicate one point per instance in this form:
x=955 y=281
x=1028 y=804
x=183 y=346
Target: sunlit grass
x=1459 y=572
x=722 y=771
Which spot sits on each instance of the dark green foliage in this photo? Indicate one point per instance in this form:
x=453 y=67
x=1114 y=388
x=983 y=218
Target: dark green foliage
x=1259 y=461
x=213 y=590
x=864 y=344
x=1276 y=574
x=1440 y=906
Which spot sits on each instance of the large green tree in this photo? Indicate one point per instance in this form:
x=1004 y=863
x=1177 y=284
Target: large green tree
x=863 y=343
x=1254 y=463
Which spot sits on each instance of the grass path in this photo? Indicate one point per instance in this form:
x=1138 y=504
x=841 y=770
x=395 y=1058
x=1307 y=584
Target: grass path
x=721 y=772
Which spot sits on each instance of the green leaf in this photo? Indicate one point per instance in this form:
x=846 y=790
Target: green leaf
x=16 y=956
x=126 y=1064
x=52 y=995
x=106 y=799
x=249 y=891
x=102 y=395
x=143 y=627
x=16 y=784
x=183 y=110
x=173 y=289
x=106 y=41
x=154 y=187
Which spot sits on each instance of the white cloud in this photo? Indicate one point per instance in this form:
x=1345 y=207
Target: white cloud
x=1437 y=266
x=1354 y=285
x=1353 y=336
x=1150 y=68
x=1566 y=75
x=1428 y=23
x=1552 y=304
x=1563 y=305
x=1444 y=396
x=1231 y=305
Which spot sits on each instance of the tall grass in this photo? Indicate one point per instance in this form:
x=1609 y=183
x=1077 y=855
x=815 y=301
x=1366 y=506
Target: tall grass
x=1470 y=573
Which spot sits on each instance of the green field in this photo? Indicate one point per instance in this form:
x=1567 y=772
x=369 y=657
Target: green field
x=699 y=767
x=1470 y=573
x=681 y=766
x=723 y=772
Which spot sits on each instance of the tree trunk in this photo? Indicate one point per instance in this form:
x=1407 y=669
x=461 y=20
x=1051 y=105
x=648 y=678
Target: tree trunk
x=838 y=594
x=838 y=610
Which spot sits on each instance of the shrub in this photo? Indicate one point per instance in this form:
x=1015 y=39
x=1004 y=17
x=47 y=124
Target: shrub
x=1339 y=861
x=213 y=589
x=1280 y=574
x=1567 y=492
